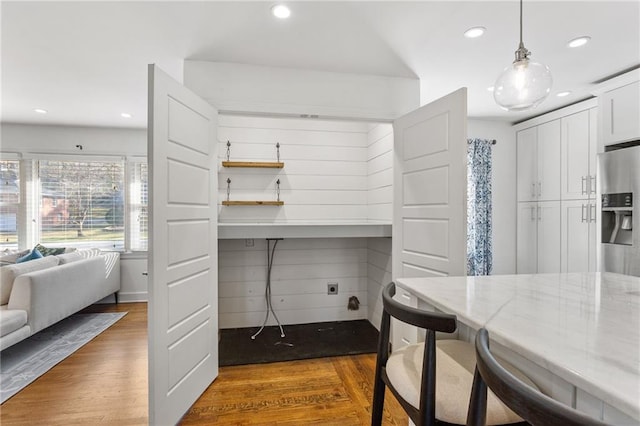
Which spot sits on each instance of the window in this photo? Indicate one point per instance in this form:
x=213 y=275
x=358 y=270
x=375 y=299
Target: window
x=138 y=207
x=9 y=203
x=82 y=203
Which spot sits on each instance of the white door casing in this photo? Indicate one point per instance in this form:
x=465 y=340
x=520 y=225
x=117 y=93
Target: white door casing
x=430 y=189
x=183 y=275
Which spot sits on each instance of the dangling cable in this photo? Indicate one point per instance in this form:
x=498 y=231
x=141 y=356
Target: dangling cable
x=267 y=291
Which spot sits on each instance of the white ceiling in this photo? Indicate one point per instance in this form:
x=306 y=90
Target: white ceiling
x=86 y=62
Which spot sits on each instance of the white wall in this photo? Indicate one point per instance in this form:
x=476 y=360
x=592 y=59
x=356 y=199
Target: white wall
x=380 y=172
x=324 y=176
x=63 y=139
x=504 y=190
x=301 y=270
x=270 y=90
x=378 y=276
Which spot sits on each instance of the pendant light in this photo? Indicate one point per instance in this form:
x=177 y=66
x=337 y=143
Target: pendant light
x=524 y=84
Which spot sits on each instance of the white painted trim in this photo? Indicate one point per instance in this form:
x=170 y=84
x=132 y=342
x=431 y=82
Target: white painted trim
x=559 y=113
x=617 y=82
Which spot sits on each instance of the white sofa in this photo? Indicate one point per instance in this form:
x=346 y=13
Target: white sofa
x=41 y=292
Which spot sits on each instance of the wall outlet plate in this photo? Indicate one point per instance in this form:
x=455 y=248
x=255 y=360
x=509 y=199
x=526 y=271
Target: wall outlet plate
x=332 y=288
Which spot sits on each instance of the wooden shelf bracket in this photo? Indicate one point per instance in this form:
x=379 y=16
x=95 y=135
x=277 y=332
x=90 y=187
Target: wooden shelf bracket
x=229 y=202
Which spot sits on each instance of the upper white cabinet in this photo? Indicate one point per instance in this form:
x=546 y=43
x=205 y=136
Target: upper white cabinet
x=620 y=110
x=578 y=153
x=539 y=162
x=556 y=164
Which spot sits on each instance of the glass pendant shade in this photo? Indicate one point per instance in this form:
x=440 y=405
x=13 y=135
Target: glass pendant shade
x=522 y=85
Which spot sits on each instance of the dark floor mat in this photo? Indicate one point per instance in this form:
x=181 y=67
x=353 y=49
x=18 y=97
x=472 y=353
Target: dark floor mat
x=302 y=341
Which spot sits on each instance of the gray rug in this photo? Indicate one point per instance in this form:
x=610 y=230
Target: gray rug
x=25 y=361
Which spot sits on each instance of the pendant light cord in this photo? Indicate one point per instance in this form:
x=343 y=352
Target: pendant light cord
x=521 y=44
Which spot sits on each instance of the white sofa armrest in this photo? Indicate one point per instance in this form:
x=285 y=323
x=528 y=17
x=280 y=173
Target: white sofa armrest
x=55 y=293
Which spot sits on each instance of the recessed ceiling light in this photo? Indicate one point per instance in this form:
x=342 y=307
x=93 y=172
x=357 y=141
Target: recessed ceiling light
x=563 y=94
x=41 y=111
x=474 y=32
x=281 y=11
x=579 y=41
x=125 y=115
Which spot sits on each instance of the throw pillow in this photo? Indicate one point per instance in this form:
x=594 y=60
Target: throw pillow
x=33 y=254
x=49 y=251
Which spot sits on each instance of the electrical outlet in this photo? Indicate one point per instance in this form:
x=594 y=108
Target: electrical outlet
x=248 y=242
x=332 y=288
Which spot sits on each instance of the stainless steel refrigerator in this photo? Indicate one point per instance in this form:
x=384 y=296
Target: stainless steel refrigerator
x=619 y=175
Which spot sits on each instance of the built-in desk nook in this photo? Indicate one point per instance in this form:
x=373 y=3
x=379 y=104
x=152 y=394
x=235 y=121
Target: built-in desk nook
x=576 y=335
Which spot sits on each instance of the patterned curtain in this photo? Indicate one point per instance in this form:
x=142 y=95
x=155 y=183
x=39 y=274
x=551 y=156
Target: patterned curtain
x=479 y=252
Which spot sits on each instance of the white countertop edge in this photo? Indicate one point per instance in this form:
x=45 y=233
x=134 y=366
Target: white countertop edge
x=303 y=230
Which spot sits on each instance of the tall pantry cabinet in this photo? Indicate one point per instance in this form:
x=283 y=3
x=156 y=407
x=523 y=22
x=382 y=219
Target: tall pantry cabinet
x=578 y=192
x=556 y=155
x=538 y=245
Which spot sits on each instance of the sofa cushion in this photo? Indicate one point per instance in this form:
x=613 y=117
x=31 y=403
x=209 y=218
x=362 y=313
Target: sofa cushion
x=9 y=256
x=33 y=254
x=69 y=257
x=8 y=274
x=49 y=251
x=12 y=320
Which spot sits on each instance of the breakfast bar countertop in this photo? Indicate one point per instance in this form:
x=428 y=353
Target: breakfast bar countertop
x=583 y=327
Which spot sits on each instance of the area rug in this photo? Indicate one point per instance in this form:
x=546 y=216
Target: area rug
x=27 y=360
x=301 y=341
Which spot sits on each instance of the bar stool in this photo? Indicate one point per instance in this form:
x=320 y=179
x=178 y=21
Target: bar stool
x=531 y=404
x=433 y=394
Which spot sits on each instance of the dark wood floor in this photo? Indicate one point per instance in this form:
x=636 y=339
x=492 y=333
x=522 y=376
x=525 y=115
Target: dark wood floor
x=105 y=382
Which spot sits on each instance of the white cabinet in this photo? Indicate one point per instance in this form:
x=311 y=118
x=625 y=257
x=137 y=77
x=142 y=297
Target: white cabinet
x=526 y=141
x=578 y=242
x=403 y=334
x=578 y=154
x=620 y=109
x=538 y=238
x=538 y=160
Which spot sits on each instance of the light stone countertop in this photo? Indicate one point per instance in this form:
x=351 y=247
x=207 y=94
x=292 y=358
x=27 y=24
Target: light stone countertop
x=583 y=327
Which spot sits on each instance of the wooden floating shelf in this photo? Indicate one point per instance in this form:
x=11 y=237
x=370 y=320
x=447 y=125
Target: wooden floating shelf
x=253 y=203
x=254 y=164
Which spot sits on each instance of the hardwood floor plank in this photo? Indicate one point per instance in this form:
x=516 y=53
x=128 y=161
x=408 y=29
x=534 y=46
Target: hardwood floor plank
x=105 y=382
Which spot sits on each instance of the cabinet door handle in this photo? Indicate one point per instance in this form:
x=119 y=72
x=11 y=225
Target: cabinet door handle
x=533 y=190
x=592 y=185
x=583 y=215
x=592 y=217
x=583 y=186
x=539 y=189
x=539 y=213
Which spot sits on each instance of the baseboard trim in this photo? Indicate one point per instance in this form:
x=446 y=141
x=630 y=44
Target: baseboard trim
x=131 y=297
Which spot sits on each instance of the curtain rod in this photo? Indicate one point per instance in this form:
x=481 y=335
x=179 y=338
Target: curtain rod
x=493 y=141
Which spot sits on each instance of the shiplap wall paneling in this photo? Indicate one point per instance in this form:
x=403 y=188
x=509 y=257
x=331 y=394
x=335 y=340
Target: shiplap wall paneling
x=380 y=172
x=301 y=270
x=378 y=276
x=324 y=177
